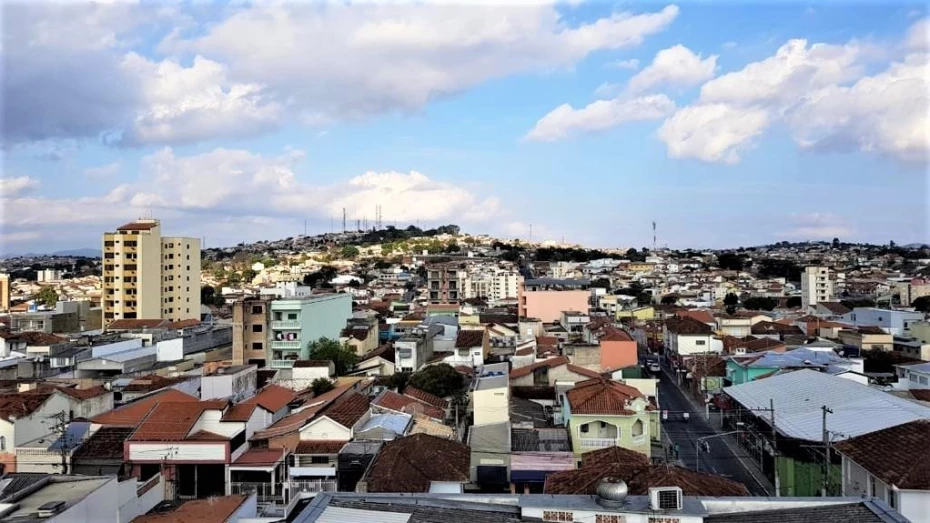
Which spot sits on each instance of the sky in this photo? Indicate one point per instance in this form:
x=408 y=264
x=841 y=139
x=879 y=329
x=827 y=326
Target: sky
x=733 y=124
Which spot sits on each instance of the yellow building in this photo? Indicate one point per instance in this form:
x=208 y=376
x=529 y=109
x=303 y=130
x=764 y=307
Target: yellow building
x=147 y=276
x=640 y=313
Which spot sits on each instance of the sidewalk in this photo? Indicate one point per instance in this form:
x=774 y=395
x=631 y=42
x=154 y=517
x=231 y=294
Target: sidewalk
x=715 y=422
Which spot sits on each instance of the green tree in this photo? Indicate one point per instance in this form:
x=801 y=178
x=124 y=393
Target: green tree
x=730 y=261
x=669 y=299
x=46 y=296
x=342 y=356
x=760 y=303
x=731 y=300
x=349 y=251
x=922 y=304
x=321 y=386
x=207 y=294
x=440 y=379
x=452 y=247
x=399 y=380
x=248 y=275
x=794 y=301
x=603 y=283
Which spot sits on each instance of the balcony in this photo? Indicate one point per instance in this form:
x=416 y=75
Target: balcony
x=597 y=443
x=267 y=493
x=282 y=364
x=312 y=485
x=287 y=345
x=286 y=324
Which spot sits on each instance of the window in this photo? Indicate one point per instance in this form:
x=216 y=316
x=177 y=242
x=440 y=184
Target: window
x=256 y=309
x=257 y=345
x=584 y=428
x=256 y=328
x=700 y=342
x=2 y=442
x=319 y=460
x=892 y=499
x=292 y=315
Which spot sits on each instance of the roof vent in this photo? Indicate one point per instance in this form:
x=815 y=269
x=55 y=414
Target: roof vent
x=611 y=492
x=47 y=510
x=665 y=498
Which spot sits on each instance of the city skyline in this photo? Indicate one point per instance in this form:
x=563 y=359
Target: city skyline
x=728 y=125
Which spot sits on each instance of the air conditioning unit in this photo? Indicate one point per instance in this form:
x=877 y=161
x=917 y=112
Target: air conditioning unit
x=665 y=498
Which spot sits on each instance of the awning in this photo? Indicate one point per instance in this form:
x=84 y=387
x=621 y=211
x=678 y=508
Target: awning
x=312 y=471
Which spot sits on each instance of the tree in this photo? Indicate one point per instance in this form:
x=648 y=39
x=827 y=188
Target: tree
x=248 y=275
x=321 y=386
x=342 y=356
x=349 y=251
x=603 y=283
x=452 y=247
x=731 y=300
x=46 y=296
x=857 y=302
x=669 y=299
x=730 y=262
x=440 y=379
x=836 y=243
x=922 y=304
x=760 y=303
x=794 y=301
x=399 y=380
x=207 y=294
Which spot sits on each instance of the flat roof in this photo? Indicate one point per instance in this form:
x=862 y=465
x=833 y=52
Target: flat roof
x=69 y=489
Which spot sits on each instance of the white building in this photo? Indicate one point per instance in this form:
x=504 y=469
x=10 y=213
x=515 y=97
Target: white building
x=816 y=286
x=491 y=282
x=235 y=382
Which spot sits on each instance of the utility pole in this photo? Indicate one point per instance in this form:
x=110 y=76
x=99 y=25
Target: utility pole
x=774 y=447
x=61 y=428
x=343 y=219
x=826 y=451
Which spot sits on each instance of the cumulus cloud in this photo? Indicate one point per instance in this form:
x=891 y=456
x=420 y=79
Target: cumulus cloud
x=104 y=171
x=820 y=92
x=676 y=66
x=564 y=121
x=71 y=70
x=17 y=185
x=818 y=226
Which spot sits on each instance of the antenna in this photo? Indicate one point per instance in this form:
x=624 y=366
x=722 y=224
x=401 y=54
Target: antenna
x=653 y=235
x=343 y=219
x=305 y=227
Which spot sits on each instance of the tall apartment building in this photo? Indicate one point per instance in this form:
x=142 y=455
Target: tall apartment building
x=250 y=331
x=4 y=292
x=444 y=282
x=494 y=283
x=147 y=275
x=816 y=286
x=295 y=322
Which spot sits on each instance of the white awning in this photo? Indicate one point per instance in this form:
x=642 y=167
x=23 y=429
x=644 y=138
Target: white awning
x=312 y=471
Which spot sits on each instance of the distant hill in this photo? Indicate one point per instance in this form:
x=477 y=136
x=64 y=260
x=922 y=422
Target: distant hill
x=86 y=253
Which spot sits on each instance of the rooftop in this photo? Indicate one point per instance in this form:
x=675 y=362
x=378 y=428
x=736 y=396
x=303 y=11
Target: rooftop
x=601 y=396
x=896 y=455
x=410 y=464
x=132 y=414
x=211 y=510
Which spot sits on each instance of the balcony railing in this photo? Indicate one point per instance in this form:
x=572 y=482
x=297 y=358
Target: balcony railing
x=597 y=443
x=312 y=485
x=286 y=345
x=265 y=492
x=282 y=364
x=639 y=440
x=285 y=324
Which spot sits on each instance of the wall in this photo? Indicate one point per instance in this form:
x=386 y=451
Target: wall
x=325 y=429
x=548 y=305
x=170 y=350
x=588 y=356
x=133 y=505
x=914 y=504
x=618 y=354
x=691 y=344
x=176 y=451
x=8 y=452
x=198 y=341
x=104 y=500
x=491 y=405
x=248 y=509
x=36 y=425
x=92 y=406
x=243 y=338
x=623 y=423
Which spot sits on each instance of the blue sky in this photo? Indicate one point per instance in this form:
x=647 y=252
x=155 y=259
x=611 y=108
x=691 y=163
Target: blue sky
x=729 y=125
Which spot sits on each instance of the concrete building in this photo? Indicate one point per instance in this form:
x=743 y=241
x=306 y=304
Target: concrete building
x=148 y=276
x=546 y=299
x=236 y=383
x=250 y=331
x=816 y=286
x=444 y=281
x=911 y=290
x=295 y=323
x=490 y=282
x=4 y=292
x=491 y=395
x=68 y=316
x=894 y=322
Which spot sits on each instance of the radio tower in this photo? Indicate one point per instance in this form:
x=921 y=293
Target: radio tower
x=343 y=219
x=653 y=236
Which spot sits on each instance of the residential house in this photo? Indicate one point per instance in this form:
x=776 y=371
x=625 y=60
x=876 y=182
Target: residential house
x=545 y=299
x=644 y=313
x=24 y=418
x=378 y=362
x=894 y=322
x=413 y=350
x=604 y=413
x=736 y=325
x=775 y=330
x=222 y=509
x=270 y=405
x=831 y=310
x=251 y=319
x=491 y=395
x=235 y=382
x=685 y=336
x=385 y=427
x=390 y=401
x=101 y=454
x=296 y=322
x=305 y=372
x=361 y=332
x=418 y=463
x=867 y=338
x=133 y=413
x=891 y=465
x=914 y=376
x=548 y=372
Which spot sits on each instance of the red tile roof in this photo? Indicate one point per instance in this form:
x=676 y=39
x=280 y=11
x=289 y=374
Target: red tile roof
x=687 y=325
x=77 y=394
x=699 y=315
x=260 y=457
x=295 y=421
x=399 y=403
x=467 y=339
x=319 y=447
x=211 y=510
x=835 y=307
x=527 y=370
x=763 y=344
x=106 y=443
x=240 y=412
x=349 y=411
x=583 y=371
x=137 y=226
x=173 y=421
x=132 y=414
x=273 y=398
x=897 y=455
x=183 y=324
x=205 y=435
x=549 y=341
x=412 y=463
x=40 y=339
x=601 y=396
x=614 y=334
x=426 y=397
x=15 y=405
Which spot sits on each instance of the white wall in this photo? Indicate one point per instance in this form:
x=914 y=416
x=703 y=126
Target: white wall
x=690 y=344
x=491 y=405
x=155 y=452
x=914 y=505
x=210 y=422
x=170 y=350
x=101 y=505
x=132 y=505
x=37 y=425
x=325 y=429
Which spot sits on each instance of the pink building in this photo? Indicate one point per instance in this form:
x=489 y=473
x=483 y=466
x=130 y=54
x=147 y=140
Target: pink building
x=546 y=299
x=618 y=350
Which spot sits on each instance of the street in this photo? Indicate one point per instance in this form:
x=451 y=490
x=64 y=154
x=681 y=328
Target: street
x=720 y=460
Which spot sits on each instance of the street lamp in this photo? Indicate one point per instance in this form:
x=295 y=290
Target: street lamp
x=697 y=444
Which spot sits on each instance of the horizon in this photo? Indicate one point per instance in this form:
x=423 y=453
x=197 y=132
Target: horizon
x=726 y=125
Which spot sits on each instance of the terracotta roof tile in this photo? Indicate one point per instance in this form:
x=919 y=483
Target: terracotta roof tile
x=205 y=435
x=132 y=414
x=349 y=411
x=835 y=307
x=173 y=421
x=399 y=403
x=15 y=405
x=319 y=447
x=529 y=369
x=260 y=457
x=273 y=398
x=548 y=341
x=614 y=334
x=687 y=325
x=385 y=351
x=106 y=443
x=601 y=396
x=240 y=412
x=183 y=324
x=41 y=339
x=426 y=397
x=577 y=369
x=469 y=338
x=296 y=420
x=699 y=315
x=410 y=464
x=763 y=344
x=137 y=226
x=896 y=455
x=212 y=510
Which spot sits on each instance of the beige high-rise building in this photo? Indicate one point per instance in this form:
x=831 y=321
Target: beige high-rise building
x=816 y=286
x=4 y=292
x=147 y=275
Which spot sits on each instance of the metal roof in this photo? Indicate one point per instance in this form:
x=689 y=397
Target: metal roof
x=396 y=423
x=798 y=397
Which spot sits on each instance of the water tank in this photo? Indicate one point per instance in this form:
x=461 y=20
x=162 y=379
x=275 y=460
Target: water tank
x=611 y=492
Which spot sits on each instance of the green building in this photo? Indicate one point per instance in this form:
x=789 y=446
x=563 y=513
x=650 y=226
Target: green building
x=295 y=322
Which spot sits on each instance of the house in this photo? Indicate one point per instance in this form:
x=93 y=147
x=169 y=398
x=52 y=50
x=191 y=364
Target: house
x=639 y=474
x=617 y=349
x=85 y=403
x=418 y=463
x=546 y=298
x=831 y=310
x=101 y=454
x=891 y=465
x=685 y=336
x=391 y=401
x=491 y=395
x=894 y=322
x=223 y=509
x=378 y=362
x=471 y=348
x=385 y=427
x=234 y=382
x=775 y=330
x=550 y=371
x=738 y=326
x=261 y=472
x=914 y=376
x=361 y=332
x=24 y=418
x=133 y=413
x=338 y=422
x=271 y=404
x=867 y=338
x=604 y=413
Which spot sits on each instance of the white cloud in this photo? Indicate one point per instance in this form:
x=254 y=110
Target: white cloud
x=104 y=171
x=676 y=66
x=18 y=236
x=564 y=121
x=16 y=186
x=632 y=64
x=820 y=92
x=918 y=37
x=712 y=132
x=818 y=226
x=266 y=64
x=729 y=45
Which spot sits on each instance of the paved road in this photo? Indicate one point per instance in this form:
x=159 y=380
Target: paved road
x=720 y=460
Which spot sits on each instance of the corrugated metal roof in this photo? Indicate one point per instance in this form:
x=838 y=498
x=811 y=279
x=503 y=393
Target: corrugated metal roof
x=798 y=397
x=341 y=515
x=396 y=423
